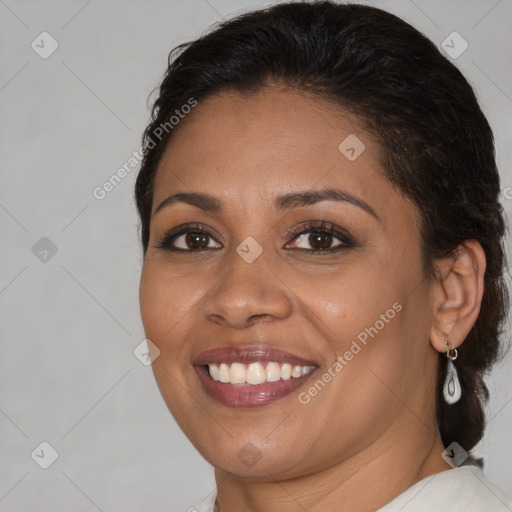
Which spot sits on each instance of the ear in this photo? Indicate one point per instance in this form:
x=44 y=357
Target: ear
x=456 y=295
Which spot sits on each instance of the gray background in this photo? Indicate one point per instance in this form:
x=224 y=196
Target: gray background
x=70 y=324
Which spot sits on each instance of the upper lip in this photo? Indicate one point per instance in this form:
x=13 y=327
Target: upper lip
x=248 y=354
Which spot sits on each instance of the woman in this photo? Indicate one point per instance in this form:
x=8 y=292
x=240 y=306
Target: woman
x=323 y=262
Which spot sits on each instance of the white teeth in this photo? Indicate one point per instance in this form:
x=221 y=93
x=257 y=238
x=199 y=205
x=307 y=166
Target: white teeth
x=273 y=371
x=256 y=373
x=224 y=373
x=286 y=371
x=237 y=373
x=296 y=371
x=214 y=371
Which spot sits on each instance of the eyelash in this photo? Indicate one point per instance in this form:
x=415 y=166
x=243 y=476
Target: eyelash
x=323 y=228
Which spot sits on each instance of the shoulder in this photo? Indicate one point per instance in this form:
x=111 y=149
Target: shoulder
x=206 y=505
x=462 y=489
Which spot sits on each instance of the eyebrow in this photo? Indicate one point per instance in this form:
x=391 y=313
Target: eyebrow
x=288 y=201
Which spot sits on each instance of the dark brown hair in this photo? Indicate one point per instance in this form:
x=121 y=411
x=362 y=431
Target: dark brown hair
x=437 y=146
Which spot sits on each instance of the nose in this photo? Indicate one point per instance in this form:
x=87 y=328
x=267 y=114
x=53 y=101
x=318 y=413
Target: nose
x=247 y=293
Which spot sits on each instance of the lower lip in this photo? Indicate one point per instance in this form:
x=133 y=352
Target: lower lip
x=249 y=395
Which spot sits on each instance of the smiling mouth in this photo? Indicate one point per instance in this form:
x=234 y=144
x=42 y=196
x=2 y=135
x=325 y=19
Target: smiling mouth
x=251 y=377
x=240 y=374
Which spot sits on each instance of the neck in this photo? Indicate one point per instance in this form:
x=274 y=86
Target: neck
x=365 y=482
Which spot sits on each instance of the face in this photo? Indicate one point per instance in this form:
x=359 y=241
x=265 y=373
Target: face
x=278 y=248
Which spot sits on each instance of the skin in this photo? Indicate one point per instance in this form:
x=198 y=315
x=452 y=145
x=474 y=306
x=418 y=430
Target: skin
x=375 y=421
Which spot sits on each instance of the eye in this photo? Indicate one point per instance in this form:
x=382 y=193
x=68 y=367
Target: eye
x=325 y=237
x=313 y=237
x=189 y=238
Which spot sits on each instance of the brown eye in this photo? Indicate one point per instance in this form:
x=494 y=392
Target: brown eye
x=195 y=240
x=188 y=239
x=320 y=241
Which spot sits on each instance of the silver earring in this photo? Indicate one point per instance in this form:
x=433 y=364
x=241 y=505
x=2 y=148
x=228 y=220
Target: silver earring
x=451 y=389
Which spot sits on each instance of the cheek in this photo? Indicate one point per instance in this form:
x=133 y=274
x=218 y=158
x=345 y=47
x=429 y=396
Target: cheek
x=167 y=303
x=167 y=299
x=344 y=304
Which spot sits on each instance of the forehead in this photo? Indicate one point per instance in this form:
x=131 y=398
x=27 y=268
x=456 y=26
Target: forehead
x=269 y=143
x=270 y=121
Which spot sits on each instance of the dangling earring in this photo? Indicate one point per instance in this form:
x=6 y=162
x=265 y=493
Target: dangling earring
x=451 y=389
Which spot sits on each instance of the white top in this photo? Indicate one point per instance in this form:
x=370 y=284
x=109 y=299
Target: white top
x=462 y=489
